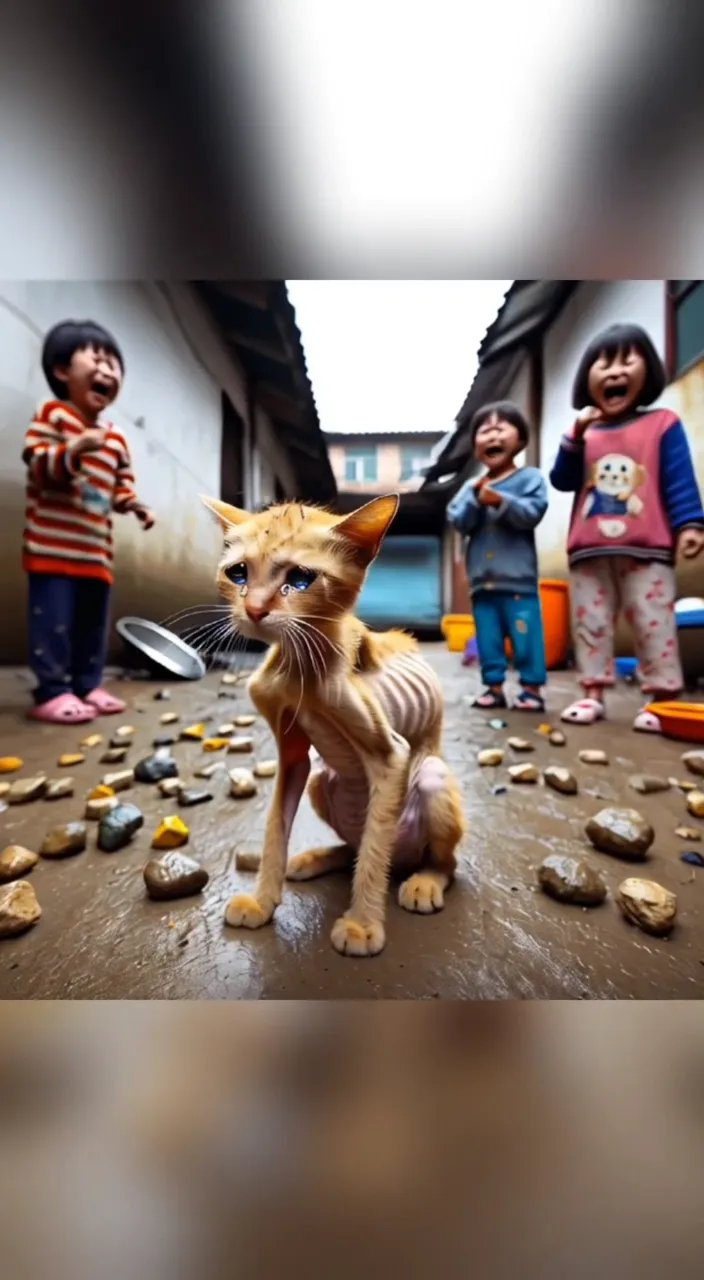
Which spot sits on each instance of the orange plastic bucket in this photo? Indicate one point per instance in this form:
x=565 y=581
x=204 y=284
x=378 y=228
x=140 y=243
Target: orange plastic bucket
x=555 y=610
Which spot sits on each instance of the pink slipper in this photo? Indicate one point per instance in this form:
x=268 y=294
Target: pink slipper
x=586 y=711
x=64 y=709
x=646 y=722
x=104 y=703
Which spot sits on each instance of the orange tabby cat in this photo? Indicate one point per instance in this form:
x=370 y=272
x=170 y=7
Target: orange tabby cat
x=368 y=704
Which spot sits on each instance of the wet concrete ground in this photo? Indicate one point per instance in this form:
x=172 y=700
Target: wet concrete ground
x=100 y=937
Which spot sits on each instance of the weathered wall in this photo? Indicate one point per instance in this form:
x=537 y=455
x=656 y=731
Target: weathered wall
x=170 y=410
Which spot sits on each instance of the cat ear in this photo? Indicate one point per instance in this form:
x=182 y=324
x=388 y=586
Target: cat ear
x=227 y=515
x=367 y=526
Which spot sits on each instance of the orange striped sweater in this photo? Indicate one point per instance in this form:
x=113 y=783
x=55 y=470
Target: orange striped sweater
x=68 y=524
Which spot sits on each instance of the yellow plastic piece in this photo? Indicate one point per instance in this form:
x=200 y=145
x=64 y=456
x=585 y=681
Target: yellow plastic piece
x=193 y=731
x=93 y=741
x=10 y=764
x=170 y=834
x=215 y=744
x=457 y=629
x=68 y=760
x=101 y=792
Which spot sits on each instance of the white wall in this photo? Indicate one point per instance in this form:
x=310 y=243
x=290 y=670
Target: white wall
x=592 y=307
x=176 y=450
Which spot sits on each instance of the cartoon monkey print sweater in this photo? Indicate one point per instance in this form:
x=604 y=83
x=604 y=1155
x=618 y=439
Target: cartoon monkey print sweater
x=634 y=485
x=68 y=525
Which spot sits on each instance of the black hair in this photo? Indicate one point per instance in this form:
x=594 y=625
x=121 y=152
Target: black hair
x=614 y=341
x=65 y=339
x=505 y=409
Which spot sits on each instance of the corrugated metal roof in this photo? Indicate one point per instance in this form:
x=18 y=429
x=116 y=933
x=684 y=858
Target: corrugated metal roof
x=529 y=307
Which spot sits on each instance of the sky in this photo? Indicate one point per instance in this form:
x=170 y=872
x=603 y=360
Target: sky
x=392 y=355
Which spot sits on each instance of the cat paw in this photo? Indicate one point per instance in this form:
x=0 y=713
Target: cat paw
x=244 y=911
x=421 y=893
x=303 y=866
x=353 y=939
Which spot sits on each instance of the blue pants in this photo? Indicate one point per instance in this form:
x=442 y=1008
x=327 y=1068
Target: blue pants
x=68 y=631
x=500 y=616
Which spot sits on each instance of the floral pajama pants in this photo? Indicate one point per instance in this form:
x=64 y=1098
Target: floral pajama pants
x=644 y=590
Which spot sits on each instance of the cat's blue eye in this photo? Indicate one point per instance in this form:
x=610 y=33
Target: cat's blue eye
x=300 y=579
x=237 y=573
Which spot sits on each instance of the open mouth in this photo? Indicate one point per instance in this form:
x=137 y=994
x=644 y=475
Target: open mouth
x=494 y=451
x=101 y=388
x=615 y=392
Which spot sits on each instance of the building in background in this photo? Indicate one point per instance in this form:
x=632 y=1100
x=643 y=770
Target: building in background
x=216 y=400
x=381 y=461
x=530 y=354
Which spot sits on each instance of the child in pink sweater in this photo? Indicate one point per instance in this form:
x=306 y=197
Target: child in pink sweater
x=637 y=506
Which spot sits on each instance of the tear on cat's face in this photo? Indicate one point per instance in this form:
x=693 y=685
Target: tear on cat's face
x=292 y=569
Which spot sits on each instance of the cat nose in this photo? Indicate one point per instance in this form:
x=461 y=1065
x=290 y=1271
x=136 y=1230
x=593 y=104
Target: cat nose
x=256 y=611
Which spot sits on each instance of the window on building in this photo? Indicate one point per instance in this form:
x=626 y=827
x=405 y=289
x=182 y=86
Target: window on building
x=414 y=460
x=360 y=463
x=686 y=328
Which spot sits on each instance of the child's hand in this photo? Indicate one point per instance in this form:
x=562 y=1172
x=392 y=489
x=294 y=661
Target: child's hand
x=584 y=419
x=145 y=517
x=690 y=542
x=488 y=497
x=89 y=442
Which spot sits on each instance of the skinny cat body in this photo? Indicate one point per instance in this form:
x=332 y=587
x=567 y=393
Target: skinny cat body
x=366 y=703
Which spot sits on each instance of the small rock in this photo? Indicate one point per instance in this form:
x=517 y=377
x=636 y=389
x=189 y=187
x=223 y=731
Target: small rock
x=171 y=833
x=490 y=758
x=243 y=722
x=10 y=764
x=4 y=789
x=266 y=768
x=97 y=809
x=683 y=786
x=208 y=770
x=65 y=762
x=229 y=678
x=26 y=789
x=15 y=862
x=215 y=744
x=65 y=841
x=520 y=744
x=695 y=803
x=561 y=780
x=155 y=768
x=174 y=876
x=162 y=753
x=248 y=861
x=19 y=909
x=59 y=788
x=557 y=739
x=239 y=743
x=122 y=735
x=523 y=773
x=94 y=740
x=226 y=731
x=162 y=695
x=688 y=833
x=170 y=787
x=647 y=784
x=625 y=833
x=163 y=740
x=693 y=858
x=194 y=732
x=694 y=761
x=169 y=717
x=497 y=724
x=571 y=880
x=121 y=781
x=114 y=755
x=647 y=904
x=117 y=827
x=189 y=796
x=499 y=789
x=593 y=757
x=242 y=784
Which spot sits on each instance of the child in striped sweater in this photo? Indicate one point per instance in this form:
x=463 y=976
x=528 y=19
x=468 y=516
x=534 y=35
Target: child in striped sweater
x=79 y=472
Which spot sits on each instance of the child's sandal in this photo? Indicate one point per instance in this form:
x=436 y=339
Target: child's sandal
x=527 y=701
x=490 y=701
x=646 y=722
x=586 y=711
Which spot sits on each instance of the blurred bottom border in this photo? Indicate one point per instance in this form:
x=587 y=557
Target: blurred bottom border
x=218 y=1139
